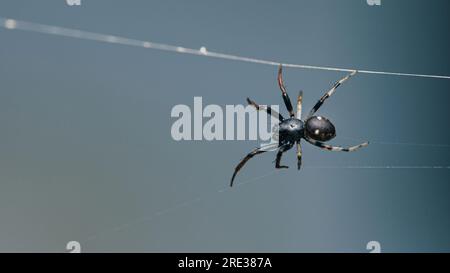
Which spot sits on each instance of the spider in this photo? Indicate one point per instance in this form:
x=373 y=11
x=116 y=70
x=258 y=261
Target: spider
x=314 y=129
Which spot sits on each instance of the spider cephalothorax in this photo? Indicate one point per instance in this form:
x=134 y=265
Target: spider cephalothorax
x=290 y=130
x=314 y=129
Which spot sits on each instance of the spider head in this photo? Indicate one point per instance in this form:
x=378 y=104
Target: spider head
x=319 y=128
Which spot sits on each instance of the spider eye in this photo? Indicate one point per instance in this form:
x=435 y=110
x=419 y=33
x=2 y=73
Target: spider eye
x=320 y=128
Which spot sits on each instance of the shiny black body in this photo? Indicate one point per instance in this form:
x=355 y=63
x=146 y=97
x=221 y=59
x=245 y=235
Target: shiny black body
x=292 y=130
x=314 y=129
x=320 y=128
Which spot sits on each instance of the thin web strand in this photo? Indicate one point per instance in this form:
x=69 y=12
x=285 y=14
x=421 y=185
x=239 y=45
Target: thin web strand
x=13 y=24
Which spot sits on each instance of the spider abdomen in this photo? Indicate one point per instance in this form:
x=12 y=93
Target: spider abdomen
x=320 y=128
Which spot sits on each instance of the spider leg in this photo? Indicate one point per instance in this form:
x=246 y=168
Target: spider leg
x=299 y=155
x=286 y=99
x=268 y=109
x=335 y=148
x=281 y=150
x=299 y=105
x=256 y=151
x=329 y=93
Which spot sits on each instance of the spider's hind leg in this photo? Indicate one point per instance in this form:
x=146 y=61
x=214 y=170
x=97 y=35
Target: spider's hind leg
x=327 y=147
x=329 y=93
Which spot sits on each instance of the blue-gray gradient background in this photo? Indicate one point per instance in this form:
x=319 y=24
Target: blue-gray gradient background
x=86 y=152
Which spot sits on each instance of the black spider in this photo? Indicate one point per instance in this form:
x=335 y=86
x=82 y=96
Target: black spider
x=314 y=129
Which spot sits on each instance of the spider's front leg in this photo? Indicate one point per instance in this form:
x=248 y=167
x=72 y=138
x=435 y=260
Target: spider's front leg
x=256 y=151
x=299 y=104
x=299 y=155
x=281 y=150
x=268 y=109
x=286 y=99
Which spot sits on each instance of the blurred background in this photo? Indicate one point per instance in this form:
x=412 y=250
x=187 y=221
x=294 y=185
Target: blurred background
x=86 y=152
